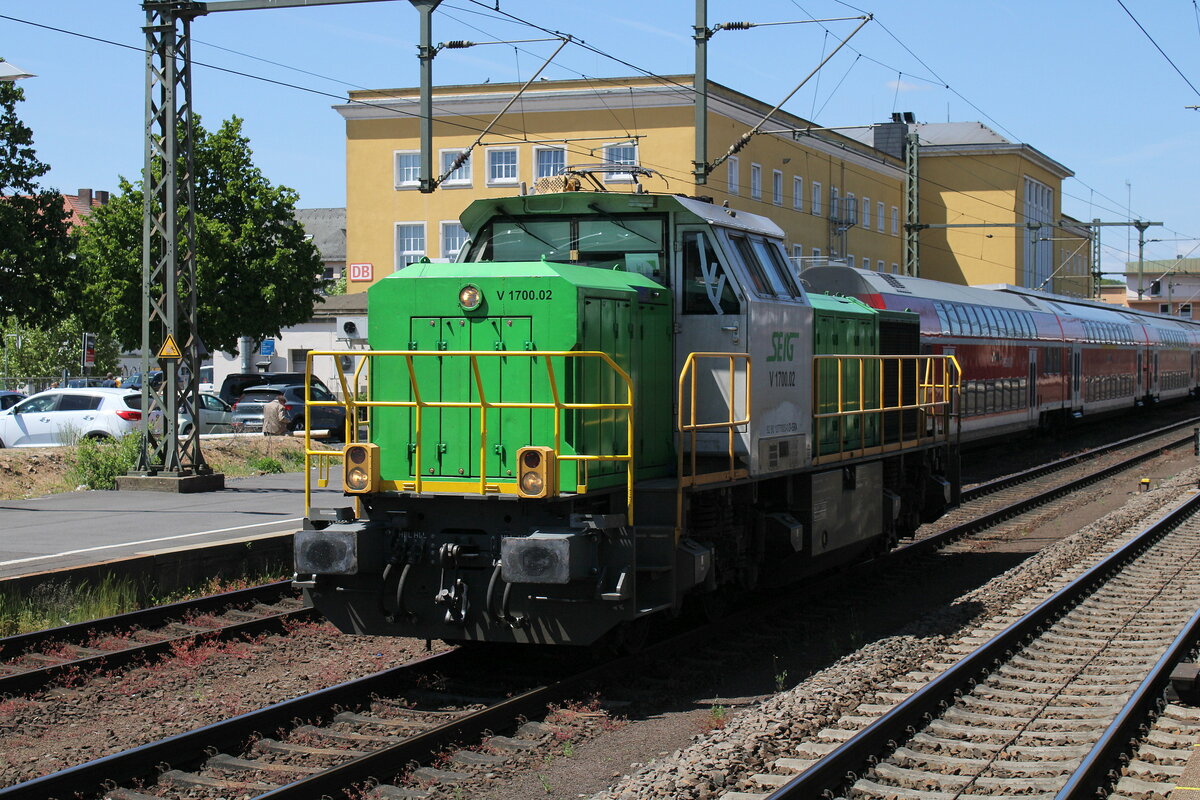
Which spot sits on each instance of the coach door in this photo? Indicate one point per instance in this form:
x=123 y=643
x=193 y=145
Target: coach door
x=1154 y=375
x=1076 y=378
x=1033 y=384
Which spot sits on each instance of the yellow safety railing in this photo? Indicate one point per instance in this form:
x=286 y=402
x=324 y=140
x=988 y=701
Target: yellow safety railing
x=352 y=403
x=687 y=425
x=928 y=388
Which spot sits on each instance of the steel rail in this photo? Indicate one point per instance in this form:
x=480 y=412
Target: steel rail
x=12 y=646
x=849 y=761
x=1018 y=478
x=1095 y=773
x=39 y=677
x=997 y=516
x=36 y=678
x=189 y=747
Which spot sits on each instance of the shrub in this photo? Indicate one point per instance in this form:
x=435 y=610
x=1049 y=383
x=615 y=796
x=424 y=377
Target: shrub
x=266 y=464
x=98 y=462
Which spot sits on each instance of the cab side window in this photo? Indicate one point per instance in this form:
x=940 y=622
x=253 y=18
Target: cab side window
x=707 y=288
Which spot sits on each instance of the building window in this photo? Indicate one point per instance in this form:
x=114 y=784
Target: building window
x=622 y=155
x=733 y=175
x=816 y=198
x=879 y=265
x=1163 y=308
x=879 y=216
x=895 y=268
x=410 y=243
x=460 y=176
x=797 y=257
x=850 y=261
x=756 y=181
x=895 y=221
x=1039 y=207
x=816 y=255
x=502 y=165
x=550 y=161
x=408 y=170
x=1185 y=310
x=777 y=187
x=866 y=217
x=299 y=359
x=454 y=236
x=835 y=203
x=798 y=193
x=851 y=208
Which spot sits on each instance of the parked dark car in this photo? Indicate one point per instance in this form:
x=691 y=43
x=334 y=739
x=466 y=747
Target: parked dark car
x=134 y=381
x=233 y=385
x=248 y=411
x=9 y=399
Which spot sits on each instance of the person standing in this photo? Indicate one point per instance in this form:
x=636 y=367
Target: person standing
x=275 y=421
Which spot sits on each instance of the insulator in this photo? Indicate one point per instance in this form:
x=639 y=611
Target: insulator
x=459 y=44
x=737 y=26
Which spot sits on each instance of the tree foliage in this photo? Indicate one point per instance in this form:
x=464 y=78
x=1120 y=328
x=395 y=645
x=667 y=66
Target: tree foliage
x=35 y=267
x=47 y=351
x=256 y=271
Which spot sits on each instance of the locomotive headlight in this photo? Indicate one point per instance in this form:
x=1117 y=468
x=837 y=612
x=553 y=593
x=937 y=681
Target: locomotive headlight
x=532 y=483
x=360 y=468
x=357 y=479
x=469 y=297
x=539 y=472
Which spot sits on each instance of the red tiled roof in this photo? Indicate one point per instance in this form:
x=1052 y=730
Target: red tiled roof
x=78 y=209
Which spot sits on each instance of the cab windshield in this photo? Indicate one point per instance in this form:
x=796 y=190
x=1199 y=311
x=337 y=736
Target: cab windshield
x=630 y=242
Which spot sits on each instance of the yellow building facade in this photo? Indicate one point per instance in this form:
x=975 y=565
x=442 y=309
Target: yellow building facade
x=837 y=196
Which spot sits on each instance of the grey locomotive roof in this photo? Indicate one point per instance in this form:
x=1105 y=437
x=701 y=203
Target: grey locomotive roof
x=731 y=217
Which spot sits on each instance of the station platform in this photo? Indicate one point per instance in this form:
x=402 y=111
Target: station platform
x=74 y=529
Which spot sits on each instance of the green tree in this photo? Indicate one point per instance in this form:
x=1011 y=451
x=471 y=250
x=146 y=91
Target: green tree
x=256 y=272
x=35 y=267
x=47 y=351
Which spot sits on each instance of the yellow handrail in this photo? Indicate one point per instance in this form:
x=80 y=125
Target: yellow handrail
x=687 y=376
x=935 y=381
x=351 y=402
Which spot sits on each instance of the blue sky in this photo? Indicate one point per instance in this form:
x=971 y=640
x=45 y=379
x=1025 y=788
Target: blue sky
x=1076 y=79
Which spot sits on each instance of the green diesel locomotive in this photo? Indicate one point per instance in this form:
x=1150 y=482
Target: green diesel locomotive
x=613 y=404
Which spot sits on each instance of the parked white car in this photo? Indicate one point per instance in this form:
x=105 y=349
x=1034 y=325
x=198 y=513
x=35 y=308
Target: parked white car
x=216 y=416
x=62 y=416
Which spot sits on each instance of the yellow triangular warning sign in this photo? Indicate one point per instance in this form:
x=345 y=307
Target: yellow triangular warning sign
x=169 y=349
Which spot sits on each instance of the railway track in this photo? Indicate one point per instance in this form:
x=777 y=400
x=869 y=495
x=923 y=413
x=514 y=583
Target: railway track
x=994 y=502
x=32 y=661
x=1062 y=686
x=408 y=714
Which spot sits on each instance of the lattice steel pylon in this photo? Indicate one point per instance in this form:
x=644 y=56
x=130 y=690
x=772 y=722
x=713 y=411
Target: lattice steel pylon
x=169 y=247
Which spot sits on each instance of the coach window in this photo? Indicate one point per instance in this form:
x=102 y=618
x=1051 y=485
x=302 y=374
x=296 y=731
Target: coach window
x=706 y=285
x=943 y=320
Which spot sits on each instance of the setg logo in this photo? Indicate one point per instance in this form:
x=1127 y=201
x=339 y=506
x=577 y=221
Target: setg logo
x=781 y=345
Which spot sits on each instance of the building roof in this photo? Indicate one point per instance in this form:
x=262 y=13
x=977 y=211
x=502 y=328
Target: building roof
x=327 y=227
x=935 y=133
x=341 y=305
x=81 y=205
x=1175 y=266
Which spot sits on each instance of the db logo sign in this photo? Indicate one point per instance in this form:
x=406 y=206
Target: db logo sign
x=361 y=272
